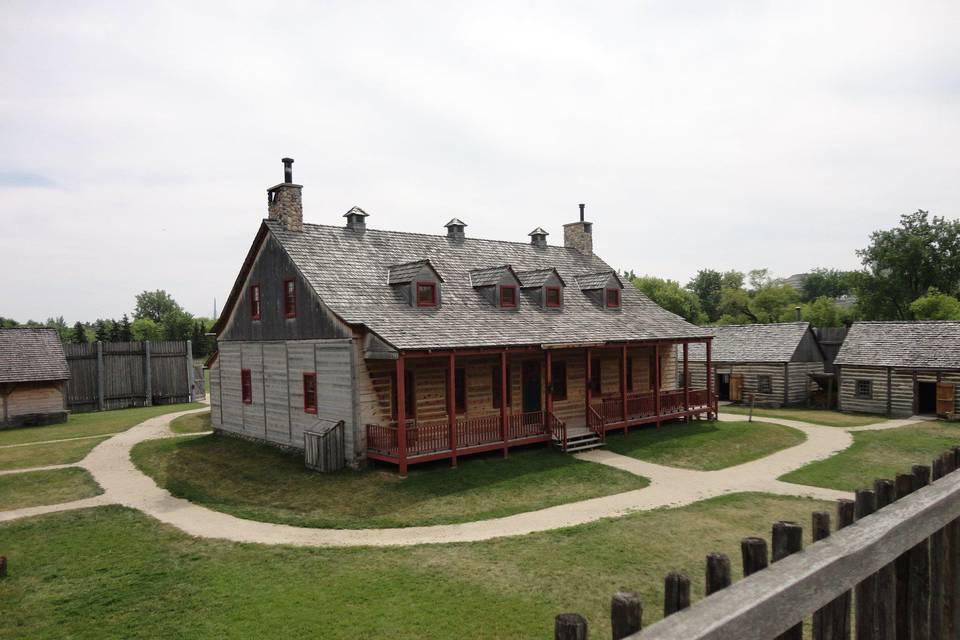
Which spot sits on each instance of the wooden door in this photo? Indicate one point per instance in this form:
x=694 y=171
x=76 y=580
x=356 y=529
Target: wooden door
x=736 y=387
x=946 y=398
x=530 y=374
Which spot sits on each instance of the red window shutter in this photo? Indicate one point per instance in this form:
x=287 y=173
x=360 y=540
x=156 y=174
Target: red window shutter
x=246 y=386
x=290 y=298
x=255 y=302
x=310 y=392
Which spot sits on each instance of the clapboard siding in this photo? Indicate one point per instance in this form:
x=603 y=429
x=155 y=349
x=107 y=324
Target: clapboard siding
x=230 y=396
x=29 y=398
x=254 y=418
x=277 y=391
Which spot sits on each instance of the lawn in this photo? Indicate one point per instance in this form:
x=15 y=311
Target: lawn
x=193 y=423
x=41 y=455
x=46 y=487
x=113 y=572
x=813 y=416
x=704 y=445
x=262 y=483
x=91 y=424
x=879 y=454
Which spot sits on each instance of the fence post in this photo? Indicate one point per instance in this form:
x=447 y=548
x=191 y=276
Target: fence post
x=886 y=618
x=189 y=359
x=3 y=566
x=676 y=593
x=718 y=573
x=823 y=618
x=626 y=614
x=570 y=626
x=147 y=375
x=920 y=571
x=754 y=554
x=787 y=539
x=100 y=391
x=865 y=503
x=952 y=613
x=938 y=566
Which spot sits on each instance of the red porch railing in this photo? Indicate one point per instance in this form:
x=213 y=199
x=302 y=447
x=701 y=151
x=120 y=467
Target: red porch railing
x=526 y=425
x=382 y=439
x=472 y=432
x=557 y=428
x=595 y=423
x=643 y=405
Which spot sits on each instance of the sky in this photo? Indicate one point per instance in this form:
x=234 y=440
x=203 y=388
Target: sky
x=137 y=140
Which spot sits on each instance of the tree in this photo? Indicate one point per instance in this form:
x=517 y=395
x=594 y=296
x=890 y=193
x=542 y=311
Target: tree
x=155 y=305
x=146 y=329
x=79 y=333
x=124 y=333
x=825 y=312
x=177 y=325
x=774 y=302
x=102 y=331
x=671 y=296
x=830 y=283
x=8 y=323
x=706 y=286
x=935 y=306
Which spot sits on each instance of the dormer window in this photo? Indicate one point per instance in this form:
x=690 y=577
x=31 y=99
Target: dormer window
x=613 y=298
x=426 y=294
x=255 y=302
x=544 y=285
x=290 y=298
x=553 y=296
x=508 y=296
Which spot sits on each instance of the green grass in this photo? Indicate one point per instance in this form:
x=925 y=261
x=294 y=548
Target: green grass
x=193 y=423
x=111 y=572
x=91 y=424
x=259 y=482
x=879 y=454
x=46 y=487
x=702 y=445
x=813 y=416
x=41 y=455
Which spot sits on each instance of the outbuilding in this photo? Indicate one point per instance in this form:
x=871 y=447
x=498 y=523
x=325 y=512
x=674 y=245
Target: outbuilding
x=33 y=375
x=900 y=368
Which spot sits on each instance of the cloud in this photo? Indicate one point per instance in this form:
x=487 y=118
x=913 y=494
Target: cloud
x=16 y=179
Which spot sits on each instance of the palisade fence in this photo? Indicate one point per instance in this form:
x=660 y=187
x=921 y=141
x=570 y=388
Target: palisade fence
x=116 y=375
x=890 y=570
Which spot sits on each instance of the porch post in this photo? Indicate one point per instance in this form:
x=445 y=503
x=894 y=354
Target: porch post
x=452 y=407
x=503 y=400
x=623 y=385
x=402 y=415
x=549 y=377
x=656 y=380
x=686 y=377
x=711 y=401
x=588 y=390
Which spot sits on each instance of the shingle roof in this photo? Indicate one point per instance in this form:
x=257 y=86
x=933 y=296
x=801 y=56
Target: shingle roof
x=490 y=276
x=590 y=281
x=348 y=271
x=31 y=355
x=537 y=277
x=404 y=273
x=920 y=344
x=753 y=342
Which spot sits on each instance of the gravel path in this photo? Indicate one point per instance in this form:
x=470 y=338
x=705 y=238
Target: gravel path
x=110 y=465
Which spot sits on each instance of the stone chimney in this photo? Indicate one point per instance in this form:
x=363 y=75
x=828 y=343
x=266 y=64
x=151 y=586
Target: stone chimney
x=356 y=219
x=285 y=202
x=538 y=238
x=579 y=235
x=455 y=229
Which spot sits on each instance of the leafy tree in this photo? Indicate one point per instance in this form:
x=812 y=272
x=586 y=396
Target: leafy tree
x=146 y=329
x=124 y=333
x=79 y=333
x=8 y=323
x=102 y=331
x=177 y=325
x=830 y=283
x=706 y=286
x=774 y=302
x=825 y=312
x=735 y=307
x=732 y=280
x=671 y=296
x=935 y=306
x=155 y=305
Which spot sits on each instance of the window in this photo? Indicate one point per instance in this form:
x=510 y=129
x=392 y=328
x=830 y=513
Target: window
x=409 y=392
x=558 y=376
x=508 y=295
x=864 y=389
x=254 y=302
x=680 y=381
x=246 y=386
x=596 y=380
x=654 y=373
x=460 y=390
x=310 y=392
x=613 y=298
x=497 y=387
x=764 y=384
x=426 y=294
x=553 y=297
x=290 y=298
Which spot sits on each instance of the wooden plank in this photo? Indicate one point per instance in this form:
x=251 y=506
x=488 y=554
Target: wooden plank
x=920 y=570
x=626 y=614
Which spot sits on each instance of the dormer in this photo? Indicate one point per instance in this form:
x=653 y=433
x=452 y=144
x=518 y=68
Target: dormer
x=604 y=288
x=418 y=283
x=500 y=286
x=545 y=286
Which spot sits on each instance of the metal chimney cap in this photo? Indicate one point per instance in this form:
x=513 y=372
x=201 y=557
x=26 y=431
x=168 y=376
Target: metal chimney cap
x=455 y=222
x=538 y=232
x=355 y=211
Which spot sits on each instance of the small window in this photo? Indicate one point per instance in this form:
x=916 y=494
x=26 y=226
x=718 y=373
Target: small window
x=764 y=384
x=460 y=390
x=310 y=392
x=613 y=298
x=426 y=294
x=246 y=386
x=508 y=296
x=558 y=375
x=497 y=387
x=290 y=298
x=596 y=378
x=629 y=373
x=864 y=389
x=254 y=302
x=409 y=393
x=553 y=296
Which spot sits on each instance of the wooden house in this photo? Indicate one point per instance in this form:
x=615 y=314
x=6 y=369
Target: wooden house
x=900 y=368
x=768 y=362
x=466 y=345
x=33 y=375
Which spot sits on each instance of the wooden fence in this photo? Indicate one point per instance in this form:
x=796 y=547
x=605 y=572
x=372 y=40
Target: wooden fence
x=116 y=375
x=890 y=570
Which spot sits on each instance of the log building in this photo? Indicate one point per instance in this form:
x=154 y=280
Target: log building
x=33 y=376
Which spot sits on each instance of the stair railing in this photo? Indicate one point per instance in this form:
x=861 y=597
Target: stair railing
x=557 y=429
x=595 y=424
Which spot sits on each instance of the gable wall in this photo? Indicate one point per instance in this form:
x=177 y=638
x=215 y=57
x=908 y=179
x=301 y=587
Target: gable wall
x=808 y=350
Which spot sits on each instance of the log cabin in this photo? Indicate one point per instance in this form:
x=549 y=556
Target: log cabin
x=900 y=368
x=435 y=347
x=33 y=376
x=769 y=364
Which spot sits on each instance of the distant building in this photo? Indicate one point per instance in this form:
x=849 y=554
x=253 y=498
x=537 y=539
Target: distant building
x=796 y=281
x=33 y=375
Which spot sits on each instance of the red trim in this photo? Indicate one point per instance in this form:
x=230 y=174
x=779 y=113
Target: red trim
x=433 y=294
x=290 y=298
x=310 y=393
x=255 y=302
x=613 y=298
x=513 y=290
x=559 y=300
x=246 y=386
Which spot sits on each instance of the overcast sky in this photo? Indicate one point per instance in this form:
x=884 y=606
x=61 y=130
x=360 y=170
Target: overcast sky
x=136 y=143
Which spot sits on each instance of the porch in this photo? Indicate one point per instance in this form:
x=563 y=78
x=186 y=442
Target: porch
x=469 y=402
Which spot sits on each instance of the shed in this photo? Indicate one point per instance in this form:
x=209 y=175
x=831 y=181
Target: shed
x=33 y=374
x=900 y=368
